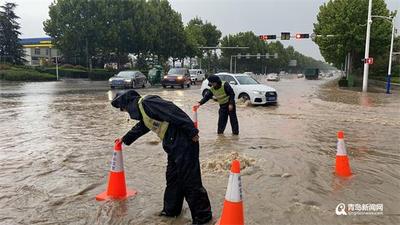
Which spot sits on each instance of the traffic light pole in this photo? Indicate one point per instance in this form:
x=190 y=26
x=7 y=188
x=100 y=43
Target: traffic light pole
x=366 y=56
x=267 y=56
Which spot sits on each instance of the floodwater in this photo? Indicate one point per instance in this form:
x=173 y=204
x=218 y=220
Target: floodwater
x=56 y=143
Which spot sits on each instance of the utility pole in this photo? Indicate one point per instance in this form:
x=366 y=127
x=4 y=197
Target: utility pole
x=389 y=75
x=366 y=65
x=390 y=60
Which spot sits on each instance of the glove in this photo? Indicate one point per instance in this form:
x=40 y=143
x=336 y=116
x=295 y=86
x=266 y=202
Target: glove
x=196 y=106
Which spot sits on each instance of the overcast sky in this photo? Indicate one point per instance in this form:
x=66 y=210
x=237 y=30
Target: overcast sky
x=230 y=16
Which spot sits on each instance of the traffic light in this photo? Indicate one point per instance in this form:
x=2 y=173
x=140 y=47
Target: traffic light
x=301 y=36
x=267 y=37
x=285 y=35
x=270 y=37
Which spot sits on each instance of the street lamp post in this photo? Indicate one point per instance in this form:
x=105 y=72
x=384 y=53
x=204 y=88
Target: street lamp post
x=390 y=60
x=389 y=75
x=366 y=65
x=56 y=61
x=57 y=66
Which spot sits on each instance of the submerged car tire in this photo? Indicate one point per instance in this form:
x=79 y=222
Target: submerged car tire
x=188 y=85
x=164 y=86
x=244 y=96
x=182 y=86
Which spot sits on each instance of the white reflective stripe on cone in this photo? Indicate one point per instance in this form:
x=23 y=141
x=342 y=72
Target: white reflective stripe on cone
x=234 y=190
x=117 y=164
x=341 y=147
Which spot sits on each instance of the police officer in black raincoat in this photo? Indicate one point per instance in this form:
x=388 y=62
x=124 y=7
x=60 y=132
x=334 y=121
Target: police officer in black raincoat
x=225 y=96
x=180 y=142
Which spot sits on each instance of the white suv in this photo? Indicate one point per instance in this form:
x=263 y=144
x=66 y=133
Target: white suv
x=247 y=88
x=197 y=75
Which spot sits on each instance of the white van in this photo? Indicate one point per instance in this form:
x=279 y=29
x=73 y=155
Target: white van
x=197 y=75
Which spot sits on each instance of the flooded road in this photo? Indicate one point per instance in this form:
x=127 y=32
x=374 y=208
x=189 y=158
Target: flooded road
x=56 y=142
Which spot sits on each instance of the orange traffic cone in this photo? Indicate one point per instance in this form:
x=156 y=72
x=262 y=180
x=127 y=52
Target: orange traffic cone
x=342 y=161
x=116 y=179
x=232 y=212
x=196 y=123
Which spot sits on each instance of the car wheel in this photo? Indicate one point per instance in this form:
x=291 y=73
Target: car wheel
x=204 y=92
x=182 y=86
x=244 y=96
x=188 y=85
x=112 y=87
x=144 y=84
x=164 y=86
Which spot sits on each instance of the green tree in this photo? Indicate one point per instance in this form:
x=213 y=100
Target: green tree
x=346 y=20
x=169 y=37
x=11 y=50
x=195 y=37
x=76 y=28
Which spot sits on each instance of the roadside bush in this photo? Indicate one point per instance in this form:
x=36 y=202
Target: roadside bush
x=25 y=75
x=101 y=74
x=68 y=66
x=396 y=71
x=4 y=66
x=79 y=67
x=63 y=72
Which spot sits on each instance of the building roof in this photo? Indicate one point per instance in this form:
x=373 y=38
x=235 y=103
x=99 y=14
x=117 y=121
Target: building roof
x=36 y=42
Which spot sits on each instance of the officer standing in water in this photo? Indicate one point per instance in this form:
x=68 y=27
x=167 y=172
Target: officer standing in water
x=180 y=141
x=225 y=96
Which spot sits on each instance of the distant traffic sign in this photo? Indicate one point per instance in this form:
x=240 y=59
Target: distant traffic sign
x=369 y=61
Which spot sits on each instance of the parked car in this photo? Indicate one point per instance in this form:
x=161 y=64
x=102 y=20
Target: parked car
x=300 y=75
x=247 y=88
x=197 y=75
x=128 y=79
x=273 y=77
x=177 y=77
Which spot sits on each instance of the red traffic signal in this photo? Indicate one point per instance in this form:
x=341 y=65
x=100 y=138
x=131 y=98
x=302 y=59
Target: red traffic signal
x=369 y=61
x=301 y=36
x=267 y=37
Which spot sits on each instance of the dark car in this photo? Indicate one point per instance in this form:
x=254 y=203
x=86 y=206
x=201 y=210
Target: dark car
x=177 y=77
x=128 y=79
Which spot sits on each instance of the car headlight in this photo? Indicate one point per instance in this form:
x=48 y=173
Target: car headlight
x=180 y=77
x=128 y=80
x=110 y=80
x=165 y=77
x=259 y=92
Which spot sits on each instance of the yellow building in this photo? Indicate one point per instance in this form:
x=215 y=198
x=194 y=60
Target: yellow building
x=39 y=51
